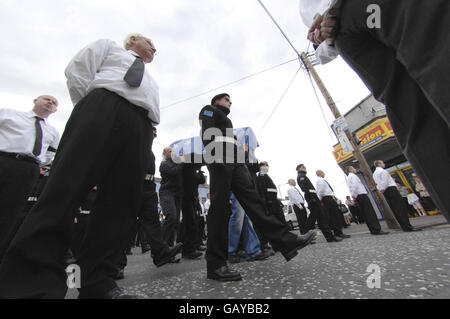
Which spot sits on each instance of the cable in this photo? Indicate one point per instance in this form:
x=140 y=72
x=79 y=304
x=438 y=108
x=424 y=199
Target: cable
x=321 y=108
x=227 y=84
x=281 y=99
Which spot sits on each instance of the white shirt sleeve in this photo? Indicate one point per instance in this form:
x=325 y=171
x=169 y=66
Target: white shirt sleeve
x=82 y=69
x=351 y=185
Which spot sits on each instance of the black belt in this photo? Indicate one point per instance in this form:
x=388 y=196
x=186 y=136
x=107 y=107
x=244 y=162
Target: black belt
x=20 y=157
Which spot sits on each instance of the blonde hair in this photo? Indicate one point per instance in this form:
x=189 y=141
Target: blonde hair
x=127 y=41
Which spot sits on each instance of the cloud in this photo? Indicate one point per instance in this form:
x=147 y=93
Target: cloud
x=201 y=45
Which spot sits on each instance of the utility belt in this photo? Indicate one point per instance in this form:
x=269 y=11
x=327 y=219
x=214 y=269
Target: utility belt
x=20 y=157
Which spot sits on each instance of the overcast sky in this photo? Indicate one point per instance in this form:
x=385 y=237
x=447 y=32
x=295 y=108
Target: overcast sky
x=201 y=45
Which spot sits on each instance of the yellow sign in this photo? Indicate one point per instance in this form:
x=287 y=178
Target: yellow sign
x=371 y=135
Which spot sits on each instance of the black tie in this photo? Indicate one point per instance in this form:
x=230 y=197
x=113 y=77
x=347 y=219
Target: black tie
x=135 y=73
x=330 y=186
x=38 y=142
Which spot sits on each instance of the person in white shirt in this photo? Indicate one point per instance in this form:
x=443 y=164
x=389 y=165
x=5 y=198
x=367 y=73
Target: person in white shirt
x=107 y=142
x=326 y=195
x=298 y=203
x=359 y=193
x=400 y=50
x=387 y=186
x=27 y=141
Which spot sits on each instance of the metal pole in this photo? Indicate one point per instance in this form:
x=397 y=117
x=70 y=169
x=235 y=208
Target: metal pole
x=364 y=166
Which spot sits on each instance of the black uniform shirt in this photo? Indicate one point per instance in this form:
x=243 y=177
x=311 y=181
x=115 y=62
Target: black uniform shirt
x=307 y=187
x=267 y=189
x=217 y=117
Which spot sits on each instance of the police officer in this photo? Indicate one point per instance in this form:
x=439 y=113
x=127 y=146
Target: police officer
x=317 y=212
x=268 y=192
x=228 y=173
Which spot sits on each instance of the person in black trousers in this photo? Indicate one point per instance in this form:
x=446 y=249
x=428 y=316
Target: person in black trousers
x=27 y=142
x=171 y=195
x=403 y=60
x=111 y=123
x=228 y=173
x=359 y=193
x=190 y=193
x=269 y=193
x=317 y=211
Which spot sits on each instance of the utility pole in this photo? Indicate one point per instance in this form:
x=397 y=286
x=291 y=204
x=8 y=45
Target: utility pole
x=364 y=166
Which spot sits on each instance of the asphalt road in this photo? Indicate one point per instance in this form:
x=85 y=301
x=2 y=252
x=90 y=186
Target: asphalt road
x=412 y=265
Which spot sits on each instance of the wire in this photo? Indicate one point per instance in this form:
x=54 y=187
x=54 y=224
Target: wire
x=227 y=84
x=279 y=28
x=321 y=108
x=281 y=99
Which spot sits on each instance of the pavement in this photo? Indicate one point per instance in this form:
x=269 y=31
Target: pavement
x=412 y=265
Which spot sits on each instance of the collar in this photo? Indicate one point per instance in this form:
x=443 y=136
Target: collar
x=134 y=53
x=32 y=114
x=223 y=109
x=379 y=169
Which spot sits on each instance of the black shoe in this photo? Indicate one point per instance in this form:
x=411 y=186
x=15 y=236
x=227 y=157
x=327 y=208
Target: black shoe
x=120 y=275
x=262 y=256
x=334 y=239
x=117 y=293
x=224 y=274
x=168 y=255
x=269 y=251
x=412 y=229
x=234 y=258
x=194 y=255
x=301 y=242
x=381 y=232
x=201 y=248
x=343 y=236
x=128 y=252
x=145 y=249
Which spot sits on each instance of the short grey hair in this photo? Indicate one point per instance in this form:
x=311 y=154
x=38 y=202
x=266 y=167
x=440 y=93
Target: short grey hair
x=127 y=41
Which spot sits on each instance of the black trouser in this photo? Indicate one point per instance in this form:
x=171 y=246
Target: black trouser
x=235 y=178
x=149 y=220
x=405 y=65
x=398 y=206
x=302 y=218
x=332 y=209
x=369 y=214
x=17 y=179
x=170 y=205
x=317 y=213
x=275 y=210
x=79 y=231
x=106 y=142
x=190 y=226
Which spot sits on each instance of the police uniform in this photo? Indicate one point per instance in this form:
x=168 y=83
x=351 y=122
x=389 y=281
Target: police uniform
x=268 y=192
x=226 y=175
x=315 y=207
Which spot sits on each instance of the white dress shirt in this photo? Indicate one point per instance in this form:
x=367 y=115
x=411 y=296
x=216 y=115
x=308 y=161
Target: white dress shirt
x=295 y=197
x=323 y=188
x=383 y=179
x=309 y=9
x=18 y=135
x=207 y=205
x=355 y=185
x=103 y=64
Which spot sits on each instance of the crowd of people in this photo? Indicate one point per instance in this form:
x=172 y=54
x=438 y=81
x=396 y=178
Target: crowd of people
x=100 y=190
